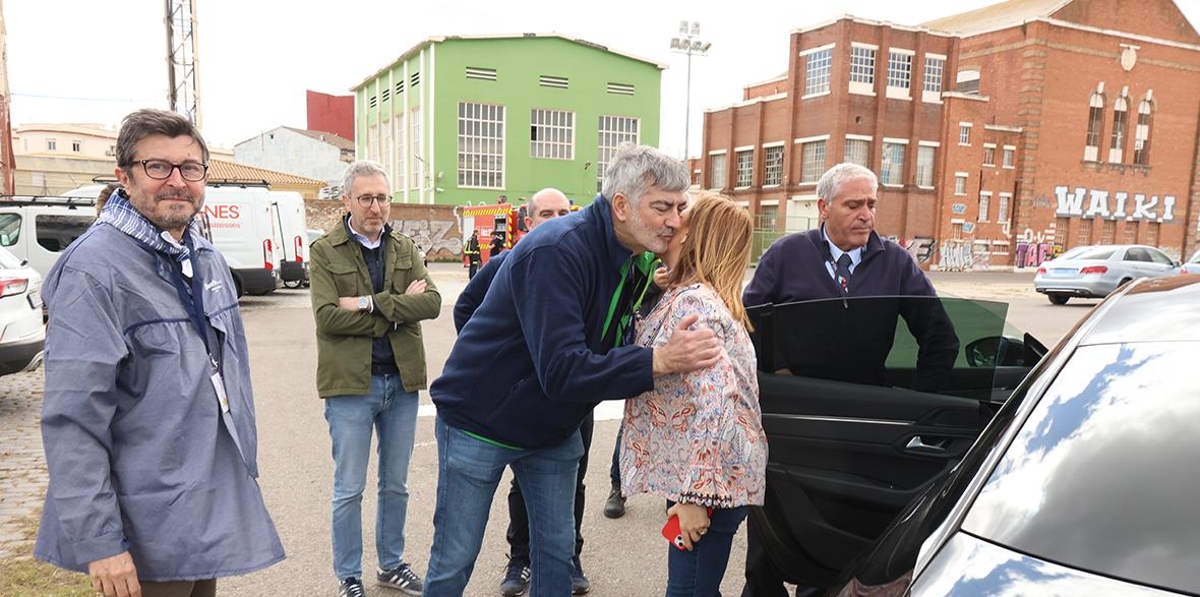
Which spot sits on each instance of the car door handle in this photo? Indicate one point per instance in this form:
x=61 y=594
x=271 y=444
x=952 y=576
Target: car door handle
x=917 y=444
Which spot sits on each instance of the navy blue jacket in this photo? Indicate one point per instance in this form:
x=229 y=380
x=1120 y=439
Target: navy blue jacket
x=530 y=363
x=794 y=269
x=472 y=295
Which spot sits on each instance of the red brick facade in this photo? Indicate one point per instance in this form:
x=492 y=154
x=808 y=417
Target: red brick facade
x=986 y=169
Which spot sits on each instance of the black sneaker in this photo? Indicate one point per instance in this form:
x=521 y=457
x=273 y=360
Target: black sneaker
x=351 y=587
x=579 y=582
x=615 y=506
x=401 y=577
x=516 y=579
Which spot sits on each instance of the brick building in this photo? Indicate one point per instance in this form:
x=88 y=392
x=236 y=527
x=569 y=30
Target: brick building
x=1000 y=136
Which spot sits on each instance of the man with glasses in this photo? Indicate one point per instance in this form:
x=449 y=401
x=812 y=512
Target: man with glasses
x=370 y=291
x=148 y=414
x=550 y=341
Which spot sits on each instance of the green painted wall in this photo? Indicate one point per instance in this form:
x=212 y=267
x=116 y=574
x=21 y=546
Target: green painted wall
x=518 y=62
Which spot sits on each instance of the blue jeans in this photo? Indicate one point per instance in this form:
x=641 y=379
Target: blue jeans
x=698 y=573
x=469 y=470
x=392 y=413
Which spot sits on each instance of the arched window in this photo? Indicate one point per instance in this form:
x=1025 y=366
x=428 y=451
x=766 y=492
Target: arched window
x=1091 y=150
x=1141 y=134
x=1116 y=149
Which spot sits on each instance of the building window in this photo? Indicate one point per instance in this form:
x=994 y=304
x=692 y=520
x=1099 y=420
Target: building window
x=1108 y=232
x=1116 y=148
x=813 y=166
x=964 y=133
x=1009 y=154
x=858 y=151
x=893 y=164
x=967 y=81
x=480 y=145
x=401 y=152
x=989 y=154
x=745 y=168
x=984 y=199
x=417 y=147
x=773 y=162
x=1091 y=149
x=899 y=70
x=385 y=147
x=1002 y=209
x=718 y=170
x=925 y=158
x=933 y=74
x=614 y=132
x=1083 y=236
x=1141 y=135
x=76 y=146
x=862 y=65
x=960 y=184
x=373 y=142
x=768 y=217
x=816 y=73
x=1152 y=230
x=51 y=144
x=1131 y=233
x=552 y=134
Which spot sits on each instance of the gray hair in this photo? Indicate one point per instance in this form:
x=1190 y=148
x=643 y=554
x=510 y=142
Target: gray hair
x=830 y=185
x=361 y=168
x=635 y=168
x=149 y=121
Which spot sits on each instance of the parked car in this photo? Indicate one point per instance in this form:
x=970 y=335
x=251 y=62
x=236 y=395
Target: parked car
x=850 y=446
x=1082 y=483
x=1096 y=271
x=1191 y=266
x=22 y=333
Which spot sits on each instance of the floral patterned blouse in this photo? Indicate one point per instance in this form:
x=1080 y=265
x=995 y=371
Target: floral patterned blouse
x=697 y=438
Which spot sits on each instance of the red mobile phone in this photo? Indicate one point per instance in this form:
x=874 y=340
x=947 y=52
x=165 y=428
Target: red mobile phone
x=673 y=533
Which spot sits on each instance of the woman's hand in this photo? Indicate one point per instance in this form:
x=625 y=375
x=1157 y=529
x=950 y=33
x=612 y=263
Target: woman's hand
x=693 y=522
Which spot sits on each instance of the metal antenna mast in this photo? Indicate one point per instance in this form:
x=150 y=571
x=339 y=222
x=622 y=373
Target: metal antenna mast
x=183 y=93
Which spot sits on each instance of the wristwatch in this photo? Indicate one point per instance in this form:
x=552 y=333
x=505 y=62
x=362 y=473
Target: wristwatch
x=364 y=303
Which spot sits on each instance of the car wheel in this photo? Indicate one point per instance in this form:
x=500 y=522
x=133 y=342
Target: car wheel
x=1058 y=299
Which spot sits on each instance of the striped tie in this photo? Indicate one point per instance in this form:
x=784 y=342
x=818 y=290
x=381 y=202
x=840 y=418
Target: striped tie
x=843 y=272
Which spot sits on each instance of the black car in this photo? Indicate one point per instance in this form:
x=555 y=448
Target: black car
x=1081 y=484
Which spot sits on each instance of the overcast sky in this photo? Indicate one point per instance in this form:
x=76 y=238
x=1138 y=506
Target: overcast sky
x=91 y=61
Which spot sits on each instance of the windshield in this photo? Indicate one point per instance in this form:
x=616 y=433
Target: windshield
x=1102 y=476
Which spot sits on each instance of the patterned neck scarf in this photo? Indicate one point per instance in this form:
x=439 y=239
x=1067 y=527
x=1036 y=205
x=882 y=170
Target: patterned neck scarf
x=120 y=214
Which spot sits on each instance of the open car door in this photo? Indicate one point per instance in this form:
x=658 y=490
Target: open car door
x=865 y=401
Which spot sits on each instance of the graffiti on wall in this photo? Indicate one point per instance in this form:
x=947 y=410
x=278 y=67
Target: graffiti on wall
x=956 y=256
x=1103 y=204
x=921 y=247
x=1034 y=248
x=435 y=236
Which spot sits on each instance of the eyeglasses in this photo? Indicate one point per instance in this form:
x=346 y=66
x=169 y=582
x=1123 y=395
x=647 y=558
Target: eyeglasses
x=367 y=200
x=161 y=170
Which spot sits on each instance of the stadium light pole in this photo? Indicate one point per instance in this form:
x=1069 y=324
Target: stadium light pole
x=689 y=42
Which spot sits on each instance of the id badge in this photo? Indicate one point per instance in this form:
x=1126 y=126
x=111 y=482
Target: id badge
x=219 y=386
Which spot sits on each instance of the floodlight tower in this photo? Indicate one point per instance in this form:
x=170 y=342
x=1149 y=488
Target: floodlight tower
x=689 y=43
x=183 y=93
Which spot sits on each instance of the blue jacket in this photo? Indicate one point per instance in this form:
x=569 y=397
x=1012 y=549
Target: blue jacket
x=794 y=269
x=140 y=457
x=531 y=364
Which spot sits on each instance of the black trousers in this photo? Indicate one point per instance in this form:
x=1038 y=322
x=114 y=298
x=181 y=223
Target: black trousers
x=518 y=516
x=471 y=271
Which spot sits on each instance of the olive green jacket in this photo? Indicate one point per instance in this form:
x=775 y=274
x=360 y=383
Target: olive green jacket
x=337 y=269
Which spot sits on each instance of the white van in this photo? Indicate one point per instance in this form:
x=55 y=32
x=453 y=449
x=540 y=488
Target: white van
x=240 y=222
x=37 y=229
x=291 y=234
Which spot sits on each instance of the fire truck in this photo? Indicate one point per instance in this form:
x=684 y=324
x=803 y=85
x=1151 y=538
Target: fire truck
x=503 y=219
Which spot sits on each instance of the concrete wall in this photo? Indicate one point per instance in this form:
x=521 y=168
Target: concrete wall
x=434 y=227
x=283 y=150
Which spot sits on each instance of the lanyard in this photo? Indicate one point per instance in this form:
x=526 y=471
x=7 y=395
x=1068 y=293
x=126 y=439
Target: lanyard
x=645 y=264
x=193 y=303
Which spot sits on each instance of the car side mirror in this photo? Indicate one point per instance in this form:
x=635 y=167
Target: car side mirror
x=995 y=351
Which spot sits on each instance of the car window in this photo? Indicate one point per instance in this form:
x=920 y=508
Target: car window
x=1136 y=254
x=871 y=340
x=55 y=232
x=1102 y=474
x=1071 y=253
x=10 y=229
x=1195 y=258
x=1096 y=253
x=1159 y=257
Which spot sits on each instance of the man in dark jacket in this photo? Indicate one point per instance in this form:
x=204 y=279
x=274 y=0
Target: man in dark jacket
x=473 y=254
x=549 y=342
x=370 y=291
x=846 y=258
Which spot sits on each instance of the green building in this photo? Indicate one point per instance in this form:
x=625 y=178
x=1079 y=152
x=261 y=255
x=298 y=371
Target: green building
x=467 y=119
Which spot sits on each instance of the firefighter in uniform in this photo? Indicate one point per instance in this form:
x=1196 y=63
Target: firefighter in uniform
x=472 y=253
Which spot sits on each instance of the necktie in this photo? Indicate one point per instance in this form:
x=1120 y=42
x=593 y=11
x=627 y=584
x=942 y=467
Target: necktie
x=843 y=272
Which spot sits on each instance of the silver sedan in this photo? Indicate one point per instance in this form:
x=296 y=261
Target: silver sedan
x=1096 y=271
